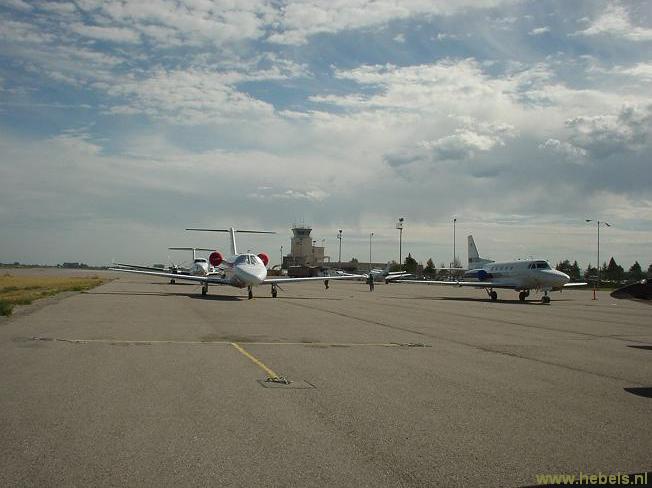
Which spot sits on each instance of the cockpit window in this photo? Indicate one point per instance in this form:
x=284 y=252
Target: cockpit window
x=254 y=259
x=542 y=265
x=241 y=259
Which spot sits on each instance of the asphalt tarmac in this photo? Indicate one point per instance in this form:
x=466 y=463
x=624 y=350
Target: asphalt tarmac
x=143 y=383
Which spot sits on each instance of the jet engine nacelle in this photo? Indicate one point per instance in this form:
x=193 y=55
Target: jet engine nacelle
x=264 y=258
x=215 y=259
x=479 y=274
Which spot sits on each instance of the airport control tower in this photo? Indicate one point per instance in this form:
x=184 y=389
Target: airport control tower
x=303 y=251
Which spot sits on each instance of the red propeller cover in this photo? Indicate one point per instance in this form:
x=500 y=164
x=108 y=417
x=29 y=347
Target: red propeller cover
x=264 y=258
x=215 y=258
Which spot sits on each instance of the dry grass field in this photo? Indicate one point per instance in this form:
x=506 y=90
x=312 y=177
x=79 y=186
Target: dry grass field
x=23 y=290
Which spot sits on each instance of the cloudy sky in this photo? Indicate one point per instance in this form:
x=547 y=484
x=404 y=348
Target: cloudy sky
x=122 y=123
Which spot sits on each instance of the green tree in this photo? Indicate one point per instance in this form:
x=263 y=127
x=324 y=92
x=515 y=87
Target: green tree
x=615 y=272
x=564 y=266
x=591 y=273
x=430 y=270
x=649 y=271
x=575 y=271
x=635 y=272
x=410 y=265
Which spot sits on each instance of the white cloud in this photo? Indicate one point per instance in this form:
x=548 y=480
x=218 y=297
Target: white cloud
x=607 y=134
x=461 y=145
x=300 y=19
x=615 y=21
x=642 y=71
x=539 y=30
x=568 y=152
x=112 y=34
x=400 y=38
x=17 y=4
x=58 y=7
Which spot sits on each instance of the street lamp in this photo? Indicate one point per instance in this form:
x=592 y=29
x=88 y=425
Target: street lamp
x=281 y=257
x=370 y=236
x=598 y=224
x=399 y=226
x=339 y=237
x=454 y=256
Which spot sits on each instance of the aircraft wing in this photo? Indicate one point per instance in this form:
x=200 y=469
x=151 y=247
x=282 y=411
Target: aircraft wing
x=280 y=281
x=147 y=268
x=568 y=285
x=396 y=277
x=475 y=284
x=210 y=279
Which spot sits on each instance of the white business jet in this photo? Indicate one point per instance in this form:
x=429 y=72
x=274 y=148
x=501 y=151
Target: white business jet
x=241 y=270
x=521 y=276
x=199 y=266
x=387 y=275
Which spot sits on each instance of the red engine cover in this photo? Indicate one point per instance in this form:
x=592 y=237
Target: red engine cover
x=215 y=259
x=264 y=258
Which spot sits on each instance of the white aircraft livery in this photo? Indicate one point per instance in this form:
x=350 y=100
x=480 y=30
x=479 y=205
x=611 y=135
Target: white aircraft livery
x=521 y=276
x=239 y=270
x=199 y=266
x=387 y=275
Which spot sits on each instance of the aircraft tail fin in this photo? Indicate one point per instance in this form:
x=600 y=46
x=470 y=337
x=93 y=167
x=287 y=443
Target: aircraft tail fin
x=232 y=231
x=475 y=261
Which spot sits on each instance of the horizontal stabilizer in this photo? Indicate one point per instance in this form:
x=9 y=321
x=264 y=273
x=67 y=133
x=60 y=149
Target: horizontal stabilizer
x=236 y=230
x=190 y=249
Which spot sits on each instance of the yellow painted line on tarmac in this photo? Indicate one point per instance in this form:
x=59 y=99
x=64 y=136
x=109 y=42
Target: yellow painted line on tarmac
x=270 y=373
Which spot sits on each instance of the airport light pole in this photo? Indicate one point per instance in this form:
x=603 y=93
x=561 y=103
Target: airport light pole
x=399 y=226
x=339 y=237
x=454 y=249
x=281 y=256
x=370 y=236
x=598 y=224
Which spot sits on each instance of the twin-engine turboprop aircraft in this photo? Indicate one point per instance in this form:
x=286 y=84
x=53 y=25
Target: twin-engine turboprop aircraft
x=521 y=276
x=240 y=270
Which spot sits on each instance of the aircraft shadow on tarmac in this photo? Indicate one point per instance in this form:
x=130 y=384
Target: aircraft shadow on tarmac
x=167 y=294
x=215 y=298
x=470 y=299
x=645 y=348
x=644 y=391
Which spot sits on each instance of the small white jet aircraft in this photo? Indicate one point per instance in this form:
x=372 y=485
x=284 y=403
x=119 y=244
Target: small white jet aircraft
x=387 y=275
x=241 y=270
x=521 y=276
x=199 y=266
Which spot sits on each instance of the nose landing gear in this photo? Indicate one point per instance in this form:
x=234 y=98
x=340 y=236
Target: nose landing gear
x=274 y=290
x=493 y=295
x=251 y=293
x=204 y=289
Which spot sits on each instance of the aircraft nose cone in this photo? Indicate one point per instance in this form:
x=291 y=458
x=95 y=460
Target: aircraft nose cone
x=250 y=275
x=563 y=278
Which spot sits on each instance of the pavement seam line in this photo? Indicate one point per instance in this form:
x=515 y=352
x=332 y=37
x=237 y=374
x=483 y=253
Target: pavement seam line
x=259 y=343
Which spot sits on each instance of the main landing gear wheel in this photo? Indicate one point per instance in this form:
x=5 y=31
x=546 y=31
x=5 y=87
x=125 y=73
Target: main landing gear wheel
x=274 y=291
x=545 y=299
x=493 y=295
x=251 y=293
x=523 y=295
